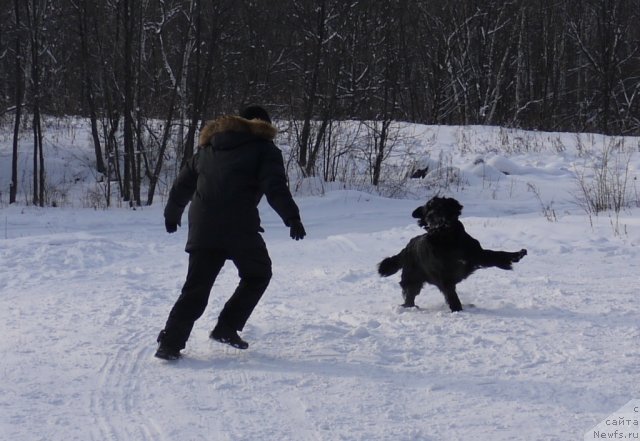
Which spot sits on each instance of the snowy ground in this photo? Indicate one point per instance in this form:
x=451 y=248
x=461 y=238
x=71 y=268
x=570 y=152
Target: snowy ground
x=546 y=352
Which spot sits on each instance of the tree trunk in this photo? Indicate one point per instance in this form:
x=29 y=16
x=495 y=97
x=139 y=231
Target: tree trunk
x=13 y=190
x=33 y=13
x=128 y=102
x=380 y=149
x=88 y=82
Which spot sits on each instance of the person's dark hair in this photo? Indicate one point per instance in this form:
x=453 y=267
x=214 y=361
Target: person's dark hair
x=255 y=112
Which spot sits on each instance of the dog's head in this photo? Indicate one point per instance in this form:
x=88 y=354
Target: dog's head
x=437 y=212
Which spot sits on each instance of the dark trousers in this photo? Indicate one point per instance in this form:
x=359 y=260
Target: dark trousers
x=250 y=257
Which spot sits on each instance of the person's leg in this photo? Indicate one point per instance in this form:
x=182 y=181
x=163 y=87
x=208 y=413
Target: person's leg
x=204 y=267
x=254 y=268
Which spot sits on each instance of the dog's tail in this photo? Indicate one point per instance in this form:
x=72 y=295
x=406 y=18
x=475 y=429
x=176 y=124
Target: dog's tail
x=390 y=265
x=501 y=259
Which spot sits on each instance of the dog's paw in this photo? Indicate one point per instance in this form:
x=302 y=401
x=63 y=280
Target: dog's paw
x=409 y=305
x=401 y=309
x=519 y=255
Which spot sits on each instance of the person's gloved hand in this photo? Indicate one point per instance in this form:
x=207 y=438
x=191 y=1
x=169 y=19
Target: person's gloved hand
x=171 y=227
x=296 y=230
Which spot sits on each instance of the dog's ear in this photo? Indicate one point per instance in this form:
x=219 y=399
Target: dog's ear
x=459 y=207
x=418 y=212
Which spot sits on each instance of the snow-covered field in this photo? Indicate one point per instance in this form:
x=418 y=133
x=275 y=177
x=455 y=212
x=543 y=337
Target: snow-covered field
x=544 y=352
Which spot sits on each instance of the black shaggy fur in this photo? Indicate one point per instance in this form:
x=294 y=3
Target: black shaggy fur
x=443 y=256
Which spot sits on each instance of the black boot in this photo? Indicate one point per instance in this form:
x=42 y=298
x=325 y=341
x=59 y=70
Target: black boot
x=228 y=336
x=165 y=351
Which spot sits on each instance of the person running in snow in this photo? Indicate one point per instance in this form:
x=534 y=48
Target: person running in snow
x=235 y=165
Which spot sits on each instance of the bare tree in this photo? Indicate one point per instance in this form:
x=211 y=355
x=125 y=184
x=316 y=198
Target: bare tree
x=36 y=11
x=602 y=36
x=315 y=28
x=147 y=73
x=19 y=87
x=82 y=9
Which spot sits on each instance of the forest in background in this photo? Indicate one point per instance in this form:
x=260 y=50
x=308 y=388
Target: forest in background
x=147 y=73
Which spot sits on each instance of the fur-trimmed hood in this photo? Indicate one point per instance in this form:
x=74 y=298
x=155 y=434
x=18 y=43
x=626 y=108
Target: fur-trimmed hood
x=231 y=123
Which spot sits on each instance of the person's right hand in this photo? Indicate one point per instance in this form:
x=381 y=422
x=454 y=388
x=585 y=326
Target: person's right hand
x=171 y=227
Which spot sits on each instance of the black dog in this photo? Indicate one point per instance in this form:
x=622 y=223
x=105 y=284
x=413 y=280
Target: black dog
x=444 y=256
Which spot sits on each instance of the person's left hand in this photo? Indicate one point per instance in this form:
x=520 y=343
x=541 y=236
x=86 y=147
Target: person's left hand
x=296 y=229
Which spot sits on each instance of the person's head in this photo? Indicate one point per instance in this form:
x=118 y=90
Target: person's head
x=255 y=112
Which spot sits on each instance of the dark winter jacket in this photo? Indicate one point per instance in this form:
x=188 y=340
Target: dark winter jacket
x=235 y=165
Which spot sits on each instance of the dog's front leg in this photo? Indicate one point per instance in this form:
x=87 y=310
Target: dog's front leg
x=451 y=296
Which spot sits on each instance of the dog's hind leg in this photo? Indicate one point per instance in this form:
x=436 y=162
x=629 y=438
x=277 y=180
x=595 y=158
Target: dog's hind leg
x=410 y=289
x=451 y=296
